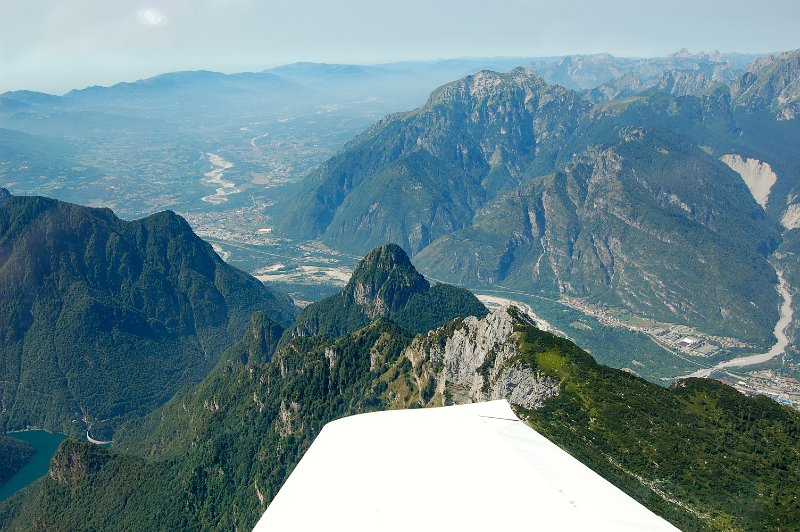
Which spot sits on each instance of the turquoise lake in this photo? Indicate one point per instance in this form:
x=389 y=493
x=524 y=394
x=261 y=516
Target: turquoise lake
x=46 y=444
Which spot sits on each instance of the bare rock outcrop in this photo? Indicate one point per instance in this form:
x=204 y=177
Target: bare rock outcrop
x=477 y=360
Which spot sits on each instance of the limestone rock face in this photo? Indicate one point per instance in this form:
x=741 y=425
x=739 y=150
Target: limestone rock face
x=770 y=83
x=757 y=175
x=475 y=361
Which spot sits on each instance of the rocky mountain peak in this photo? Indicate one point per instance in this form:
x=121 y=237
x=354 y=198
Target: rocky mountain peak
x=682 y=53
x=488 y=84
x=384 y=280
x=770 y=83
x=4 y=194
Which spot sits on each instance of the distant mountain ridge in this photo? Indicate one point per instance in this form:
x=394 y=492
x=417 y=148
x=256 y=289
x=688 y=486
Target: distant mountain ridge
x=577 y=72
x=771 y=83
x=437 y=179
x=585 y=72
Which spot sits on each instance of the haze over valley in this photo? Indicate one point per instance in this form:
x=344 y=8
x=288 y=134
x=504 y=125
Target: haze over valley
x=236 y=155
x=201 y=269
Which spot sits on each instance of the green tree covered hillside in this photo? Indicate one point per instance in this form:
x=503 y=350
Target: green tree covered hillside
x=105 y=319
x=699 y=453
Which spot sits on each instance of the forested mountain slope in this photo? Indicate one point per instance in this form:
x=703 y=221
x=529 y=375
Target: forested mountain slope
x=104 y=319
x=14 y=454
x=699 y=454
x=416 y=176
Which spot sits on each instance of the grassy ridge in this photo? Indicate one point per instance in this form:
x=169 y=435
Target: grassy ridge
x=700 y=454
x=726 y=460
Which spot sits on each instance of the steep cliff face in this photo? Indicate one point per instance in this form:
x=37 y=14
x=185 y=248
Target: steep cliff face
x=416 y=176
x=641 y=222
x=770 y=83
x=474 y=360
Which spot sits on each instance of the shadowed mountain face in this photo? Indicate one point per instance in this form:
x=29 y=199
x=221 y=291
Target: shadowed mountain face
x=105 y=319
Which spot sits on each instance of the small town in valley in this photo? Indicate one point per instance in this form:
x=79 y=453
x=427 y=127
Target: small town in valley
x=783 y=389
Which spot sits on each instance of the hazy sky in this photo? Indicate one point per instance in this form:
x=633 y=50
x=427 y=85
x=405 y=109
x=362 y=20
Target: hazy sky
x=56 y=45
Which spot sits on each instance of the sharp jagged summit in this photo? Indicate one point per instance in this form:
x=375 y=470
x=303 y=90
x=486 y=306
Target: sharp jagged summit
x=385 y=284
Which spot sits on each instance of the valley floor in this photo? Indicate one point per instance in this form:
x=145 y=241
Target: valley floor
x=780 y=335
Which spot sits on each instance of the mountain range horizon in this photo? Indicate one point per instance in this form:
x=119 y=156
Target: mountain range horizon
x=199 y=271
x=737 y=56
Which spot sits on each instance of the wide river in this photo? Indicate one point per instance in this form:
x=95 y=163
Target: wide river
x=780 y=335
x=215 y=177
